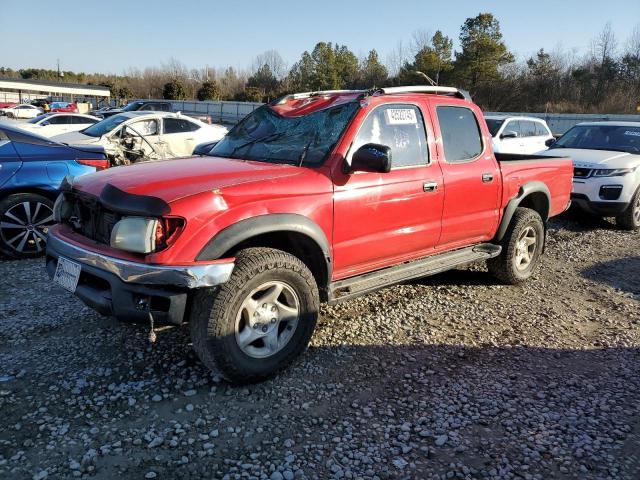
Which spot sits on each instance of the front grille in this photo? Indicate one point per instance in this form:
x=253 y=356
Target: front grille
x=581 y=172
x=91 y=219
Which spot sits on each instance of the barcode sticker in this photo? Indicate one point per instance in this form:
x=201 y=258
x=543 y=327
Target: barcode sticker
x=401 y=116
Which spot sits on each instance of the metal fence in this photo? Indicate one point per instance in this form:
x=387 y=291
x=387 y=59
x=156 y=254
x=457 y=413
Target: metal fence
x=220 y=112
x=559 y=123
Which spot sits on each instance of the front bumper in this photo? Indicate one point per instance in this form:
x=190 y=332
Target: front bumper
x=604 y=196
x=127 y=289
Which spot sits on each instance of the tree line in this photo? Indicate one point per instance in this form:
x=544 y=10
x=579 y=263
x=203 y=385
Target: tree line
x=606 y=79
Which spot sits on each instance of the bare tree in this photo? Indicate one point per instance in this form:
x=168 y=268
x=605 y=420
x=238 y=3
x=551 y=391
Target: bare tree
x=605 y=44
x=395 y=59
x=420 y=39
x=273 y=60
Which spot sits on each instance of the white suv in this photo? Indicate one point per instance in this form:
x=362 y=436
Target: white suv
x=606 y=175
x=523 y=135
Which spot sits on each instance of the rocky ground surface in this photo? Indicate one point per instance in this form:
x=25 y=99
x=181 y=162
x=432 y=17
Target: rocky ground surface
x=455 y=376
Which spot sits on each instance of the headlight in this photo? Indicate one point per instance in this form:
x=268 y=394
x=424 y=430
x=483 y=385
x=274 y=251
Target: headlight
x=135 y=234
x=614 y=172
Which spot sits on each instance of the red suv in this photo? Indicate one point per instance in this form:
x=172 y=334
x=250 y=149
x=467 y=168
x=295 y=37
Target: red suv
x=315 y=197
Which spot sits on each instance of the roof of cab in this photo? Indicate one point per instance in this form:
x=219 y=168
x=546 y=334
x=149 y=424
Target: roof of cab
x=300 y=104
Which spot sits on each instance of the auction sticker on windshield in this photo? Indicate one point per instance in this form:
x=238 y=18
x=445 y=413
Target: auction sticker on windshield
x=67 y=274
x=401 y=116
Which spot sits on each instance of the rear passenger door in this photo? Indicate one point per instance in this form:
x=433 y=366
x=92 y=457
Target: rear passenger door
x=471 y=175
x=179 y=135
x=381 y=219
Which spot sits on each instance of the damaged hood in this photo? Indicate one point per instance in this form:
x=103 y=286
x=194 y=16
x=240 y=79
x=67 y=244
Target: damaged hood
x=171 y=180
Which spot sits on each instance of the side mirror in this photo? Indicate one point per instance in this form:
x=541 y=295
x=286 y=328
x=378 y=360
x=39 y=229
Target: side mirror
x=371 y=157
x=550 y=142
x=204 y=148
x=44 y=124
x=509 y=134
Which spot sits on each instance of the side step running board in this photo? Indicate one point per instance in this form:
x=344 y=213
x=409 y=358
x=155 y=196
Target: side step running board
x=369 y=282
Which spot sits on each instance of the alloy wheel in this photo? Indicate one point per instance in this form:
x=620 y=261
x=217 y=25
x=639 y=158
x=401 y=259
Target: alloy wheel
x=267 y=319
x=24 y=226
x=526 y=248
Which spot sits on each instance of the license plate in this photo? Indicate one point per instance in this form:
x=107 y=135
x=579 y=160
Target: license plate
x=67 y=274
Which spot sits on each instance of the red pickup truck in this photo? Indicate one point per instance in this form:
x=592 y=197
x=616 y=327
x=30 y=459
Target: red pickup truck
x=315 y=197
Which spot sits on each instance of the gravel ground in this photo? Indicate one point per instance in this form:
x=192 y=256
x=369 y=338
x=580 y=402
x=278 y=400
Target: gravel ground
x=455 y=376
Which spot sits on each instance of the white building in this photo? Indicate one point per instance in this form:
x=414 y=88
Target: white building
x=23 y=91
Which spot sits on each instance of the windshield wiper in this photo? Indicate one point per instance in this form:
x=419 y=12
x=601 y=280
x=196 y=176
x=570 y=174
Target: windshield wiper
x=271 y=136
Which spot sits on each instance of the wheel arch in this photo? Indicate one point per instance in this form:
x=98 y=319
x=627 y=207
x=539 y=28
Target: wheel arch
x=49 y=194
x=292 y=233
x=534 y=195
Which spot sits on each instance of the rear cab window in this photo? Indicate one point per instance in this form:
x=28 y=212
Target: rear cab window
x=461 y=135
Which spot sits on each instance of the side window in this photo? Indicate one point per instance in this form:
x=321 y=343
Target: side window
x=82 y=120
x=165 y=107
x=59 y=120
x=400 y=127
x=528 y=128
x=179 y=125
x=541 y=131
x=461 y=136
x=512 y=126
x=143 y=127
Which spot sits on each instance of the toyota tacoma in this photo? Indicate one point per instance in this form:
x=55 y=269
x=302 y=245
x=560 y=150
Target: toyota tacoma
x=315 y=197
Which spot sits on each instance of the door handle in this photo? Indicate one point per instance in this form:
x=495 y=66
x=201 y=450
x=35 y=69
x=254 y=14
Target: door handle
x=429 y=186
x=487 y=177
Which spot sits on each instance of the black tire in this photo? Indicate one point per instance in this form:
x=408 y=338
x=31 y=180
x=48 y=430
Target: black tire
x=630 y=218
x=506 y=266
x=216 y=313
x=37 y=219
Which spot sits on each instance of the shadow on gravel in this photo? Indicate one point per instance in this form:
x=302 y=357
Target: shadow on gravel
x=476 y=406
x=622 y=274
x=576 y=220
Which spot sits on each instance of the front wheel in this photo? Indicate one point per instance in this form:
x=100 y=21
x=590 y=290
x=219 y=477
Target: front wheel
x=259 y=321
x=521 y=248
x=24 y=221
x=630 y=218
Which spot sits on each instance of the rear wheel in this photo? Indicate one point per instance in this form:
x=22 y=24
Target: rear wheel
x=24 y=221
x=630 y=218
x=521 y=248
x=259 y=321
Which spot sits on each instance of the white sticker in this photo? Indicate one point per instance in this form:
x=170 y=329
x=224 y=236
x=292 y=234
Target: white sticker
x=401 y=116
x=634 y=133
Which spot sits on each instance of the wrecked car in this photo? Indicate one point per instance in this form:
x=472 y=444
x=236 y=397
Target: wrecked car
x=140 y=136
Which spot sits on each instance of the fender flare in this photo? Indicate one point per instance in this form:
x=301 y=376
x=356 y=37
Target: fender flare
x=250 y=227
x=525 y=190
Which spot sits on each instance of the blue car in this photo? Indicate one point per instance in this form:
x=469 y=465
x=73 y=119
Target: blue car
x=31 y=170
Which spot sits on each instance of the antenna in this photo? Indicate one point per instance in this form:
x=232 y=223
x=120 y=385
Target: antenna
x=427 y=78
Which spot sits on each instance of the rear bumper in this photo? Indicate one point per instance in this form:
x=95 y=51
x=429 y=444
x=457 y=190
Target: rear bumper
x=127 y=290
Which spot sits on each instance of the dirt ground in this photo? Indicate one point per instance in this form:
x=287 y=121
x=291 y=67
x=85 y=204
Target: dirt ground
x=453 y=376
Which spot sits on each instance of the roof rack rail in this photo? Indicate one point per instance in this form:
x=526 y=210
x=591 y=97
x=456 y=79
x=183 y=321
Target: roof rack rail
x=298 y=96
x=457 y=92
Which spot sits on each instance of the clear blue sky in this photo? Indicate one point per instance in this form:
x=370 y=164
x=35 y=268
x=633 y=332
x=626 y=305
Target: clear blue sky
x=110 y=36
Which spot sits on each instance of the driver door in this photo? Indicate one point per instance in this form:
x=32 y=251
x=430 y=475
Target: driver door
x=381 y=219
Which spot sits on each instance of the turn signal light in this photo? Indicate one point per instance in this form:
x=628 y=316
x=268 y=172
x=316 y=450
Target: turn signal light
x=167 y=230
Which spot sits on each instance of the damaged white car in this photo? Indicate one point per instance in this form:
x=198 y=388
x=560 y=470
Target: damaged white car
x=139 y=136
